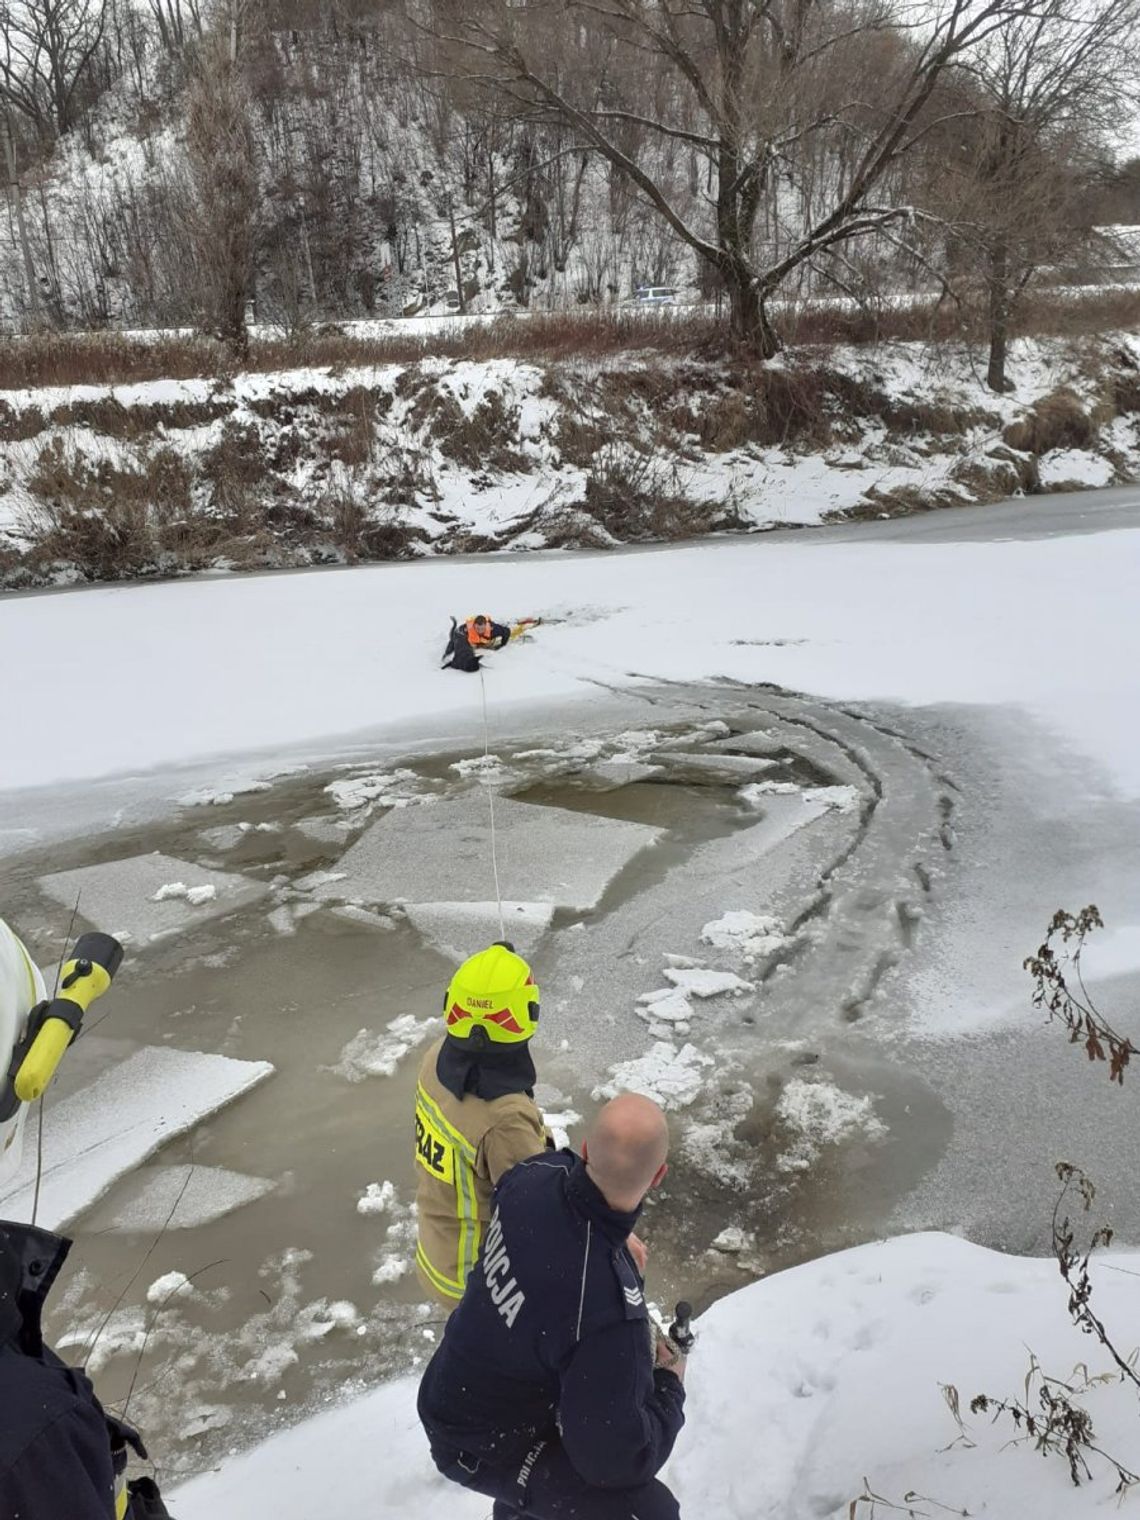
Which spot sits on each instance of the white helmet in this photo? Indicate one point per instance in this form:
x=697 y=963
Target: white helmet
x=21 y=989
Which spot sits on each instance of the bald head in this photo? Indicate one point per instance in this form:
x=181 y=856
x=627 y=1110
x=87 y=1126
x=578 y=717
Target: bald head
x=626 y=1149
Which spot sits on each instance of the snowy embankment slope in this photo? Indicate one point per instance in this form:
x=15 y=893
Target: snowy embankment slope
x=273 y=666
x=800 y=1388
x=405 y=460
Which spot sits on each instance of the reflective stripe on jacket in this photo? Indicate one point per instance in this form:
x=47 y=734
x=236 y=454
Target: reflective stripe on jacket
x=462 y=1149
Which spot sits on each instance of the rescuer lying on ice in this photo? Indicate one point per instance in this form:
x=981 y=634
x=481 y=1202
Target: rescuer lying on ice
x=549 y=1392
x=478 y=636
x=475 y=1113
x=62 y=1457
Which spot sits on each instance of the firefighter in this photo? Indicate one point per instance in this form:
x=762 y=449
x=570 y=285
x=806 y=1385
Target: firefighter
x=549 y=1392
x=475 y=1112
x=477 y=636
x=61 y=1454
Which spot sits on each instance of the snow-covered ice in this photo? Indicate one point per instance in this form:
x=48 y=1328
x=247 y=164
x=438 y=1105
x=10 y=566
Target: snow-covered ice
x=151 y=896
x=870 y=616
x=107 y=1129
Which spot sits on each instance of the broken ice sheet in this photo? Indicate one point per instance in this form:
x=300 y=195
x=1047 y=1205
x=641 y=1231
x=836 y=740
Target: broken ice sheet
x=104 y=1131
x=443 y=854
x=395 y=788
x=175 y=1198
x=459 y=929
x=149 y=896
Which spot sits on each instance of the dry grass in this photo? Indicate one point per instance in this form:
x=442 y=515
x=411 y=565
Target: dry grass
x=110 y=358
x=1057 y=421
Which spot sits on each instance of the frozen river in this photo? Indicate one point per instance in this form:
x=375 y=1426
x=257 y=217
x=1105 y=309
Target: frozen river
x=800 y=920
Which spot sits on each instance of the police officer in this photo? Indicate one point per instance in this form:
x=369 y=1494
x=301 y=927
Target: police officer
x=62 y=1457
x=549 y=1392
x=475 y=1113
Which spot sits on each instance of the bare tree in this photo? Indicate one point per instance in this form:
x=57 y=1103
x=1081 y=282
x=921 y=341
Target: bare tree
x=177 y=21
x=1050 y=89
x=752 y=87
x=47 y=48
x=15 y=192
x=222 y=204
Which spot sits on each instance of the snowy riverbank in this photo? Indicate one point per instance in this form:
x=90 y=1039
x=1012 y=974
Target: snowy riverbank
x=405 y=460
x=800 y=1388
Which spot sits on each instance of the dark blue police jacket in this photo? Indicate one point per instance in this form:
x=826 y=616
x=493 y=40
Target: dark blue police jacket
x=55 y=1440
x=552 y=1338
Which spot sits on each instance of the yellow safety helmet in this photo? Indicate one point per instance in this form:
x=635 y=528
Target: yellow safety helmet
x=495 y=992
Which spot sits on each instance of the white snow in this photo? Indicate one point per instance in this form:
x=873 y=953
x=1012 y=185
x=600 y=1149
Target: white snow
x=396 y=788
x=107 y=1129
x=169 y=1285
x=195 y=896
x=841 y=798
x=1064 y=468
x=372 y=1054
x=701 y=982
x=874 y=618
x=751 y=934
x=377 y=1198
x=799 y=1387
x=670 y=1075
x=818 y=1114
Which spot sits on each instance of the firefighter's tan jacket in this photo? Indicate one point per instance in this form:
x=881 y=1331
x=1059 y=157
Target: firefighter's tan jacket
x=462 y=1149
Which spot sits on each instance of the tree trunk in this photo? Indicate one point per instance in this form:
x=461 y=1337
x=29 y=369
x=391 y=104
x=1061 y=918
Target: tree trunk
x=748 y=307
x=455 y=257
x=21 y=224
x=998 y=317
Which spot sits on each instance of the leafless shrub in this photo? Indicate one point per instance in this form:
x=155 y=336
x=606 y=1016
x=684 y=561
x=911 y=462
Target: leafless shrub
x=636 y=500
x=914 y=1505
x=404 y=477
x=486 y=438
x=1049 y=1413
x=20 y=423
x=234 y=467
x=1051 y=969
x=104 y=519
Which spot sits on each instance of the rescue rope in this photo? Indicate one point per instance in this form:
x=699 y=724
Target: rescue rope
x=491 y=803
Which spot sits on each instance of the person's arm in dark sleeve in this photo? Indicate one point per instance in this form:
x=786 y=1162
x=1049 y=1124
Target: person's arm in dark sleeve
x=64 y=1470
x=618 y=1414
